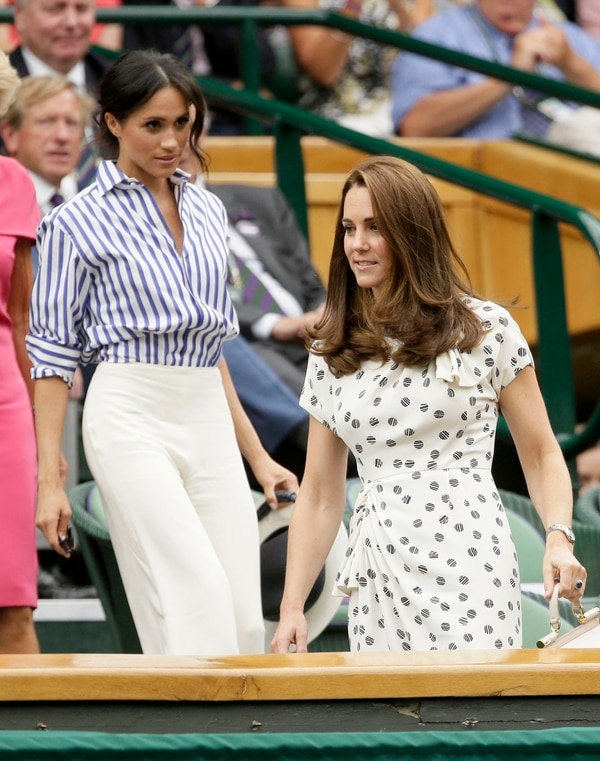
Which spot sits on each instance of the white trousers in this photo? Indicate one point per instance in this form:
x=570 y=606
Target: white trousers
x=161 y=446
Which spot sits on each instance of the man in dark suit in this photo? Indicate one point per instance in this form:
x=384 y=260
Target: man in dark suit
x=262 y=222
x=55 y=39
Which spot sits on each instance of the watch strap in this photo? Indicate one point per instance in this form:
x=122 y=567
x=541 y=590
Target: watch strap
x=567 y=531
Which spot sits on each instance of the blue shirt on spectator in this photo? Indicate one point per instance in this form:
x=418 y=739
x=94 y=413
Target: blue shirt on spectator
x=466 y=30
x=113 y=287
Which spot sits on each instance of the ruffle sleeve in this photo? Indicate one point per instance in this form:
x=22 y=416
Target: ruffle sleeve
x=316 y=397
x=500 y=357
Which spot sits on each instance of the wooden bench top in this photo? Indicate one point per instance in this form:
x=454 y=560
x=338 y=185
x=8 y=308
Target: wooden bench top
x=312 y=676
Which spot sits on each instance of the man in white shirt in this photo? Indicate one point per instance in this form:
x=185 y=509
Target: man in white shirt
x=43 y=130
x=55 y=39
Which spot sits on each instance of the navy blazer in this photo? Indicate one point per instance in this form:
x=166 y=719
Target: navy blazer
x=278 y=243
x=95 y=66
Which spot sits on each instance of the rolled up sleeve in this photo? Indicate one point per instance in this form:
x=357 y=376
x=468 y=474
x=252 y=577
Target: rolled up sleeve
x=58 y=304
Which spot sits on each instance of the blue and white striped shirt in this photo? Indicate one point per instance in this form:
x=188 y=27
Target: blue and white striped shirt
x=112 y=287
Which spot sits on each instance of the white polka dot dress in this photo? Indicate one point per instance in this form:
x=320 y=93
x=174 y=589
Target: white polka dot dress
x=431 y=563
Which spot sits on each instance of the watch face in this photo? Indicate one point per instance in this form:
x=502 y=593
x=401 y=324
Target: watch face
x=570 y=535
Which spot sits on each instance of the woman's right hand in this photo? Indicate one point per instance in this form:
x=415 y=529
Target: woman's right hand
x=53 y=516
x=291 y=630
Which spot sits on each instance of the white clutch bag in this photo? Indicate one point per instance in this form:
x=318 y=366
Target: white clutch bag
x=586 y=634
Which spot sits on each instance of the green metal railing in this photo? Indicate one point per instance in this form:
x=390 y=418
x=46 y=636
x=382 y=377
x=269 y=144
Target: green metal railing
x=250 y=19
x=290 y=123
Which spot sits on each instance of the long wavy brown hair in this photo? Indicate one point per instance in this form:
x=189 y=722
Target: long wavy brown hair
x=422 y=304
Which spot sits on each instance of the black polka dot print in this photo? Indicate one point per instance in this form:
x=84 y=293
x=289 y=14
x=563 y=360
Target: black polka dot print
x=431 y=564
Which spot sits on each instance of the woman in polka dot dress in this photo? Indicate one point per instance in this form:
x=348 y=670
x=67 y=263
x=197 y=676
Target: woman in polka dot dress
x=409 y=370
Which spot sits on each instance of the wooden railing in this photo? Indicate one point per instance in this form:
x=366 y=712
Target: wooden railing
x=312 y=676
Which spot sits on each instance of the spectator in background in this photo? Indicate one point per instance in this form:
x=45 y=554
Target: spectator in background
x=56 y=39
x=587 y=15
x=431 y=98
x=348 y=78
x=265 y=237
x=43 y=129
x=277 y=291
x=104 y=35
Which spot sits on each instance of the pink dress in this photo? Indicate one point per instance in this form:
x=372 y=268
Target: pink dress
x=19 y=216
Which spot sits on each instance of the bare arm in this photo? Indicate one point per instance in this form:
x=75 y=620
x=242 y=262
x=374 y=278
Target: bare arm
x=54 y=510
x=315 y=522
x=321 y=52
x=269 y=473
x=289 y=329
x=547 y=476
x=447 y=112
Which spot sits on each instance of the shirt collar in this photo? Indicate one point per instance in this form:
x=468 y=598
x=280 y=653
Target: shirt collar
x=43 y=191
x=109 y=177
x=38 y=68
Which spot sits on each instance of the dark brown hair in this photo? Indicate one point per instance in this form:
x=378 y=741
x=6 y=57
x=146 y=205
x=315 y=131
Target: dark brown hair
x=422 y=304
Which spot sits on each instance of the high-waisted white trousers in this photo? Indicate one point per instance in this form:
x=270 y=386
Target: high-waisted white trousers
x=161 y=446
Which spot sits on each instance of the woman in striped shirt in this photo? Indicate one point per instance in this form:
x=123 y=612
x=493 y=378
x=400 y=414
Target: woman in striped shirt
x=133 y=276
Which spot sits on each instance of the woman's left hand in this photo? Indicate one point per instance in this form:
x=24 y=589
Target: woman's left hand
x=274 y=477
x=562 y=567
